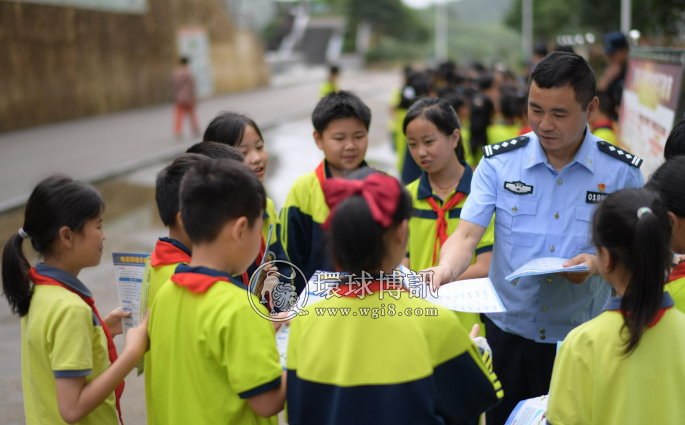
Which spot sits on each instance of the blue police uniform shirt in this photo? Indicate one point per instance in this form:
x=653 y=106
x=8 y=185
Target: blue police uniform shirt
x=544 y=213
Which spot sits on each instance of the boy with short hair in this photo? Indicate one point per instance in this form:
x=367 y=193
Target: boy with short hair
x=601 y=124
x=176 y=248
x=341 y=127
x=215 y=358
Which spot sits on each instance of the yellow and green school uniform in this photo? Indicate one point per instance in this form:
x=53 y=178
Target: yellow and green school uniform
x=595 y=383
x=211 y=350
x=304 y=211
x=359 y=358
x=465 y=131
x=675 y=286
x=276 y=249
x=499 y=132
x=327 y=88
x=424 y=243
x=400 y=140
x=61 y=337
x=604 y=129
x=168 y=254
x=495 y=133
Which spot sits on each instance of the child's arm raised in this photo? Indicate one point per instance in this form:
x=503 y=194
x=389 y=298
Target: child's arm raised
x=271 y=402
x=76 y=398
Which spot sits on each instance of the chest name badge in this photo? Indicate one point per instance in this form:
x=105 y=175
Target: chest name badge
x=595 y=197
x=519 y=188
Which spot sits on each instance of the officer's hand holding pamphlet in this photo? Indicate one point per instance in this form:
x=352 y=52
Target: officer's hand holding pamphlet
x=470 y=296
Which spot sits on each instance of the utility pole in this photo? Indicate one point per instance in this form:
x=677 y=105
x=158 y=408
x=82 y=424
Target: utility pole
x=441 y=31
x=527 y=31
x=626 y=7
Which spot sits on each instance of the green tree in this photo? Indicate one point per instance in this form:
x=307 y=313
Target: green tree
x=651 y=17
x=550 y=17
x=388 y=17
x=554 y=17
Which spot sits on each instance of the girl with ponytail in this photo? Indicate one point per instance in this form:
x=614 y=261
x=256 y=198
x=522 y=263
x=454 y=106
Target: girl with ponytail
x=624 y=366
x=70 y=369
x=668 y=181
x=371 y=353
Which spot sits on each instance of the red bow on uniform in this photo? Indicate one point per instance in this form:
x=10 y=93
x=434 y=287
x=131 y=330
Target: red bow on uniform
x=380 y=191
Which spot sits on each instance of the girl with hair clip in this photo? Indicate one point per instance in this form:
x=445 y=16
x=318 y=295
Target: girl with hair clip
x=369 y=353
x=434 y=140
x=668 y=181
x=70 y=369
x=241 y=132
x=626 y=366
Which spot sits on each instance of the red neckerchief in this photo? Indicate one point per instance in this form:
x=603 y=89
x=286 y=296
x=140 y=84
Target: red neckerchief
x=359 y=289
x=258 y=262
x=678 y=272
x=658 y=316
x=166 y=253
x=197 y=283
x=607 y=123
x=321 y=172
x=441 y=225
x=39 y=279
x=524 y=130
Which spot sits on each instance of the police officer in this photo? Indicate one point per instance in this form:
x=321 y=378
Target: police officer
x=543 y=187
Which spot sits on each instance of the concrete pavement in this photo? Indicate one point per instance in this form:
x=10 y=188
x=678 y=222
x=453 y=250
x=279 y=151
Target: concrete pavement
x=97 y=148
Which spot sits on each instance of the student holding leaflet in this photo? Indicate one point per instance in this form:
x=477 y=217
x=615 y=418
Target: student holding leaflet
x=544 y=187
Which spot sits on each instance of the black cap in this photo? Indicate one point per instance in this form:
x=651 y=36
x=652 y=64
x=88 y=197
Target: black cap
x=614 y=41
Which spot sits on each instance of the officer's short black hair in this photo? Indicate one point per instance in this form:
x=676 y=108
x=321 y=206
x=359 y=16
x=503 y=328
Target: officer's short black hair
x=560 y=69
x=216 y=150
x=216 y=191
x=675 y=144
x=340 y=105
x=168 y=185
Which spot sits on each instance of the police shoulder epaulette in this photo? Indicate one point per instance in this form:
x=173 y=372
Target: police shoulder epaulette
x=618 y=153
x=505 y=146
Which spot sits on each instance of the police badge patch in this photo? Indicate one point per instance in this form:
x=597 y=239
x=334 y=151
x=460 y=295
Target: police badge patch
x=518 y=188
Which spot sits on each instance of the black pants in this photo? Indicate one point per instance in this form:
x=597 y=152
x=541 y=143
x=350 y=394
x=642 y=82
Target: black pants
x=523 y=366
